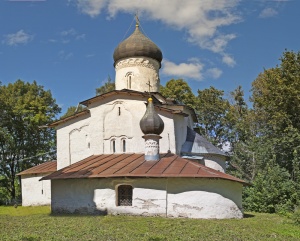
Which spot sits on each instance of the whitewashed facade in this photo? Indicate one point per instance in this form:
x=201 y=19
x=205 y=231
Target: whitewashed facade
x=34 y=191
x=166 y=197
x=111 y=125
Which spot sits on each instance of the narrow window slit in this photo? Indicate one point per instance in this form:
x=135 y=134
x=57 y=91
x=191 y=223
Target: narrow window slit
x=124 y=145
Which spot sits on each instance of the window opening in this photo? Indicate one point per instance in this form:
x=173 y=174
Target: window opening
x=125 y=195
x=124 y=145
x=114 y=146
x=129 y=82
x=129 y=79
x=119 y=108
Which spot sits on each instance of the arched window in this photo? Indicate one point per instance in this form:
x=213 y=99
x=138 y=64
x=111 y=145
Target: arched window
x=124 y=195
x=124 y=145
x=113 y=146
x=129 y=79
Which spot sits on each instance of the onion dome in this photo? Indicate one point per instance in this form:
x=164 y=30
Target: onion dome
x=137 y=44
x=151 y=123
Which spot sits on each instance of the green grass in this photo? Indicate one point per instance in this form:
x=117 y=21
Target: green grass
x=36 y=223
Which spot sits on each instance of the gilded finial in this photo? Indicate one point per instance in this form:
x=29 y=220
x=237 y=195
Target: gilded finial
x=137 y=21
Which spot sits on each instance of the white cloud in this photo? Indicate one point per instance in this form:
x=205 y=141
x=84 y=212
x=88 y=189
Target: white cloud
x=91 y=7
x=52 y=40
x=80 y=36
x=202 y=20
x=64 y=55
x=90 y=55
x=229 y=60
x=20 y=37
x=268 y=12
x=68 y=32
x=214 y=73
x=182 y=70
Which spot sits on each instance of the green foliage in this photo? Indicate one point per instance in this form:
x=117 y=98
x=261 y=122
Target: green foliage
x=73 y=110
x=180 y=91
x=212 y=109
x=24 y=107
x=296 y=216
x=276 y=101
x=272 y=191
x=35 y=223
x=107 y=87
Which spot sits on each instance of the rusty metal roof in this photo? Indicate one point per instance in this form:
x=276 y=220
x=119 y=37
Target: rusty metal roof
x=134 y=165
x=75 y=115
x=45 y=167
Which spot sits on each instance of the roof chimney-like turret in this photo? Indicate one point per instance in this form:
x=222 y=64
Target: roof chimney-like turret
x=152 y=126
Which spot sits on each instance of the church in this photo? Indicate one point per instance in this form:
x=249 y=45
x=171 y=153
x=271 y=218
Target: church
x=132 y=151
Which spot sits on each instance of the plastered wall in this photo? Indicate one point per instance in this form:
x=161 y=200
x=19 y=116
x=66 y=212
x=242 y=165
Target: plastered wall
x=35 y=192
x=171 y=197
x=113 y=120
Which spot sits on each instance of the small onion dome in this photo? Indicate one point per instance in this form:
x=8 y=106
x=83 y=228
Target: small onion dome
x=151 y=123
x=137 y=44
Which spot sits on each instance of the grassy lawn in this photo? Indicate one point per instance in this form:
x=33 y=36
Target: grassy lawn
x=36 y=223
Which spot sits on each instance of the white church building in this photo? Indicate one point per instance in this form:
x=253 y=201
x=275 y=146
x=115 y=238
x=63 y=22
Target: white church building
x=133 y=151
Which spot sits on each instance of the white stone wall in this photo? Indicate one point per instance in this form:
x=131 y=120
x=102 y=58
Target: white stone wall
x=205 y=198
x=180 y=124
x=216 y=162
x=35 y=192
x=173 y=197
x=108 y=121
x=73 y=141
x=135 y=73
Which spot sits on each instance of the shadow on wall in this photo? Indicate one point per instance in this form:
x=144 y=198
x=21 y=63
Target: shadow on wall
x=74 y=196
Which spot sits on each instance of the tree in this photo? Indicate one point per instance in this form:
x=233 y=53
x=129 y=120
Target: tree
x=24 y=109
x=212 y=109
x=107 y=87
x=276 y=101
x=272 y=191
x=73 y=110
x=180 y=91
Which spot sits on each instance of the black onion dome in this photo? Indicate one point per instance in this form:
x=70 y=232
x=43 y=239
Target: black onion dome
x=137 y=44
x=151 y=123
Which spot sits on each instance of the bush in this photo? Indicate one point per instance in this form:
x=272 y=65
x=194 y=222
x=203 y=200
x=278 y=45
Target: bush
x=296 y=216
x=272 y=191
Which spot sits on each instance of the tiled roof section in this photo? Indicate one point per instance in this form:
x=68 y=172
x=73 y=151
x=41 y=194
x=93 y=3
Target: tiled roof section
x=45 y=167
x=134 y=165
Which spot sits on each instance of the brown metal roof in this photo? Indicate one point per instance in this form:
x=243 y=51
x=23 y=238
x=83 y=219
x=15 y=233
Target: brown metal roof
x=81 y=113
x=45 y=167
x=134 y=165
x=114 y=92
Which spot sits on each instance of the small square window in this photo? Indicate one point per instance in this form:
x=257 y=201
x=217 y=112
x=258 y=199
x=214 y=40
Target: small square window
x=125 y=195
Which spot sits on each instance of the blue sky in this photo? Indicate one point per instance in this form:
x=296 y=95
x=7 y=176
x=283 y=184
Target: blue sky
x=67 y=45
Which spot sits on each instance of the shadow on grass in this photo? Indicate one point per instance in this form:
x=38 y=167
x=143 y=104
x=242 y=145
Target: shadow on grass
x=79 y=214
x=248 y=215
